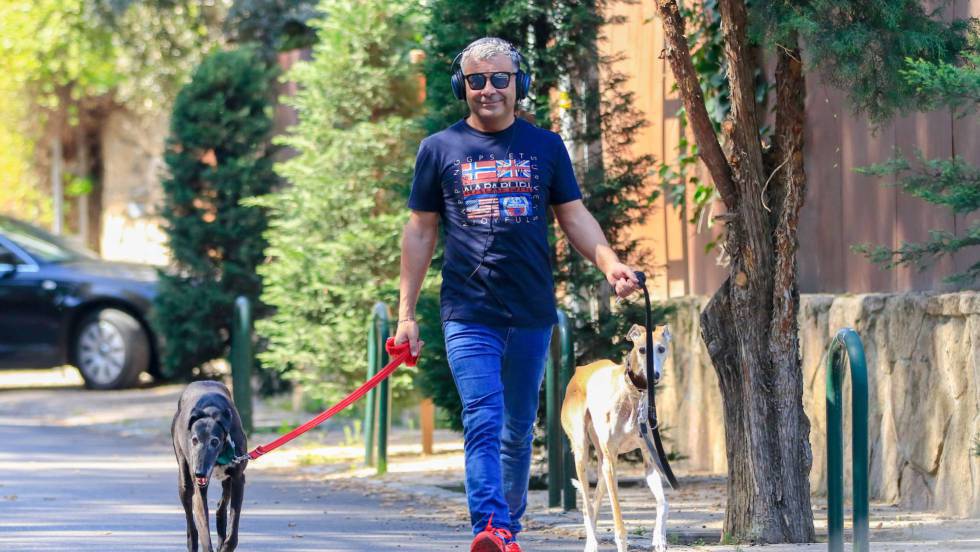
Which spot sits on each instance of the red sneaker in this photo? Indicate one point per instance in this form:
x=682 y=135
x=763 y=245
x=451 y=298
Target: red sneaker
x=493 y=539
x=513 y=547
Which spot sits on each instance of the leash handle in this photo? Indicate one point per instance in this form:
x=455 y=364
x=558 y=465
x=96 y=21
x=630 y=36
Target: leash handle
x=399 y=354
x=401 y=350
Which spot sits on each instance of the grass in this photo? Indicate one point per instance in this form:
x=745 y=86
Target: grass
x=314 y=460
x=353 y=434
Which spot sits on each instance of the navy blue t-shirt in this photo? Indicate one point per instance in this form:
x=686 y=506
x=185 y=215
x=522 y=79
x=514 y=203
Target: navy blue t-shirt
x=492 y=191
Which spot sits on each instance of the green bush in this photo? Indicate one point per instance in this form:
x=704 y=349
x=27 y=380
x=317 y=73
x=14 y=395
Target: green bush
x=216 y=155
x=334 y=232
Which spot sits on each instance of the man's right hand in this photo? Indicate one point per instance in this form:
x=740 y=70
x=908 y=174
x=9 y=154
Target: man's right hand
x=408 y=330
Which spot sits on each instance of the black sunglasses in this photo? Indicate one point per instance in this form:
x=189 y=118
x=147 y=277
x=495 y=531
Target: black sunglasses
x=478 y=81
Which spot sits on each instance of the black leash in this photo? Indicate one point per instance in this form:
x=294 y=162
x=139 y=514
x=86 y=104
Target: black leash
x=649 y=424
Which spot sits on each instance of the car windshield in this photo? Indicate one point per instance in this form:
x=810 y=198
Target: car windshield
x=42 y=245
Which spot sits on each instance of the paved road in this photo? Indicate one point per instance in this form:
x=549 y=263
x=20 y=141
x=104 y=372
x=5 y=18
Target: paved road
x=94 y=471
x=98 y=485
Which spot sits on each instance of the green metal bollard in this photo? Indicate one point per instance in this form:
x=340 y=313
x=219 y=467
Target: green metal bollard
x=383 y=331
x=566 y=369
x=559 y=370
x=553 y=423
x=847 y=341
x=371 y=400
x=242 y=360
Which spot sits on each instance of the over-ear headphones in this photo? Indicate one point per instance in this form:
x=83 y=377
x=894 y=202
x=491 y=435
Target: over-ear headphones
x=458 y=82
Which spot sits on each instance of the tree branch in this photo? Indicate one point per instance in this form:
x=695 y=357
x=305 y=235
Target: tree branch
x=790 y=121
x=744 y=125
x=679 y=56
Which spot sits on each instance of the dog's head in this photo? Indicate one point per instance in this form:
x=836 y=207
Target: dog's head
x=208 y=430
x=636 y=360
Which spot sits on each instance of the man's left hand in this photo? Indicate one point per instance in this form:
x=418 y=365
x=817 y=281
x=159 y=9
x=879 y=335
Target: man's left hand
x=623 y=279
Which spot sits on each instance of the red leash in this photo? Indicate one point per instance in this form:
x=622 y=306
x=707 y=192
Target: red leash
x=398 y=354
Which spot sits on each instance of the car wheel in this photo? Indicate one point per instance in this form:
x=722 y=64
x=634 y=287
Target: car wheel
x=111 y=350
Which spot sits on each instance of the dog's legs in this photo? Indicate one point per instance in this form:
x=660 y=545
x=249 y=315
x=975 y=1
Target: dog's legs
x=581 y=451
x=608 y=466
x=600 y=486
x=200 y=502
x=237 y=496
x=655 y=482
x=221 y=516
x=600 y=490
x=186 y=491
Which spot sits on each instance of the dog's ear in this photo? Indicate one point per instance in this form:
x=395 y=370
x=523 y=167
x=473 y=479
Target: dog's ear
x=635 y=332
x=667 y=335
x=225 y=419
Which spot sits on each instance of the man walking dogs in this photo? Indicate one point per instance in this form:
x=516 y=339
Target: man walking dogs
x=490 y=178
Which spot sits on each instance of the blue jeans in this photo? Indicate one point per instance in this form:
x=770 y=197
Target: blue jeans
x=498 y=373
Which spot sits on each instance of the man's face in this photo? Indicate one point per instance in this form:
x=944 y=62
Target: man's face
x=491 y=104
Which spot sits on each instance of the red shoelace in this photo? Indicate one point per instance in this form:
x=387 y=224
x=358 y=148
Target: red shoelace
x=499 y=536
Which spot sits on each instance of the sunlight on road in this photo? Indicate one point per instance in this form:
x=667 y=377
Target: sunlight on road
x=64 y=376
x=12 y=463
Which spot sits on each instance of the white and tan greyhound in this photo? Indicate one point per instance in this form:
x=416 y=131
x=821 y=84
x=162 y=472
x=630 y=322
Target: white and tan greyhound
x=602 y=404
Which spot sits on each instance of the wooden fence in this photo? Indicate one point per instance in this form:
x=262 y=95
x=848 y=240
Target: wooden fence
x=842 y=208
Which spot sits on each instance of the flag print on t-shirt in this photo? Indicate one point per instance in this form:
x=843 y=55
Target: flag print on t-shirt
x=497 y=188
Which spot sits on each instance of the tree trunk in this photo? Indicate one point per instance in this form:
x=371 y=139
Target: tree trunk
x=749 y=327
x=784 y=328
x=57 y=185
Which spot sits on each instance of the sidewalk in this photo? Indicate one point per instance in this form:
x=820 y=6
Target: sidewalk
x=696 y=510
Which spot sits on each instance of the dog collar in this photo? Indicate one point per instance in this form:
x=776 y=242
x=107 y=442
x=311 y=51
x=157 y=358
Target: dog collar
x=633 y=380
x=227 y=454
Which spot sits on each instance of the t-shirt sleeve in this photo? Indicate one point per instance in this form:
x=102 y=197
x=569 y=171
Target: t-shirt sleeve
x=564 y=186
x=426 y=194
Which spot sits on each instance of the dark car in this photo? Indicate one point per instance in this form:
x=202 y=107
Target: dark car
x=61 y=304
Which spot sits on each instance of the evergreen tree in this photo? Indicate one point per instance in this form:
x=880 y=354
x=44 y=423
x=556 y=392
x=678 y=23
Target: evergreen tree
x=952 y=182
x=450 y=26
x=216 y=156
x=275 y=25
x=558 y=39
x=334 y=231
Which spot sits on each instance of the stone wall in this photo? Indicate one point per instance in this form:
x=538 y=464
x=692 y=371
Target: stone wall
x=923 y=354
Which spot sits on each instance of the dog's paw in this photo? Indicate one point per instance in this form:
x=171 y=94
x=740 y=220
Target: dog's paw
x=659 y=543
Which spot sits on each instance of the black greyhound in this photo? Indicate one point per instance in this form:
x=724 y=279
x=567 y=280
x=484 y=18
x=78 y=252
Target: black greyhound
x=208 y=436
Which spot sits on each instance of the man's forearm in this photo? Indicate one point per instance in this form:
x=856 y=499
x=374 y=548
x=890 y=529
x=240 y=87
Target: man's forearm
x=585 y=235
x=587 y=238
x=417 y=247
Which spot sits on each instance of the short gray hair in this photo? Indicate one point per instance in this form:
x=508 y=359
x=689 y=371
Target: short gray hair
x=487 y=47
